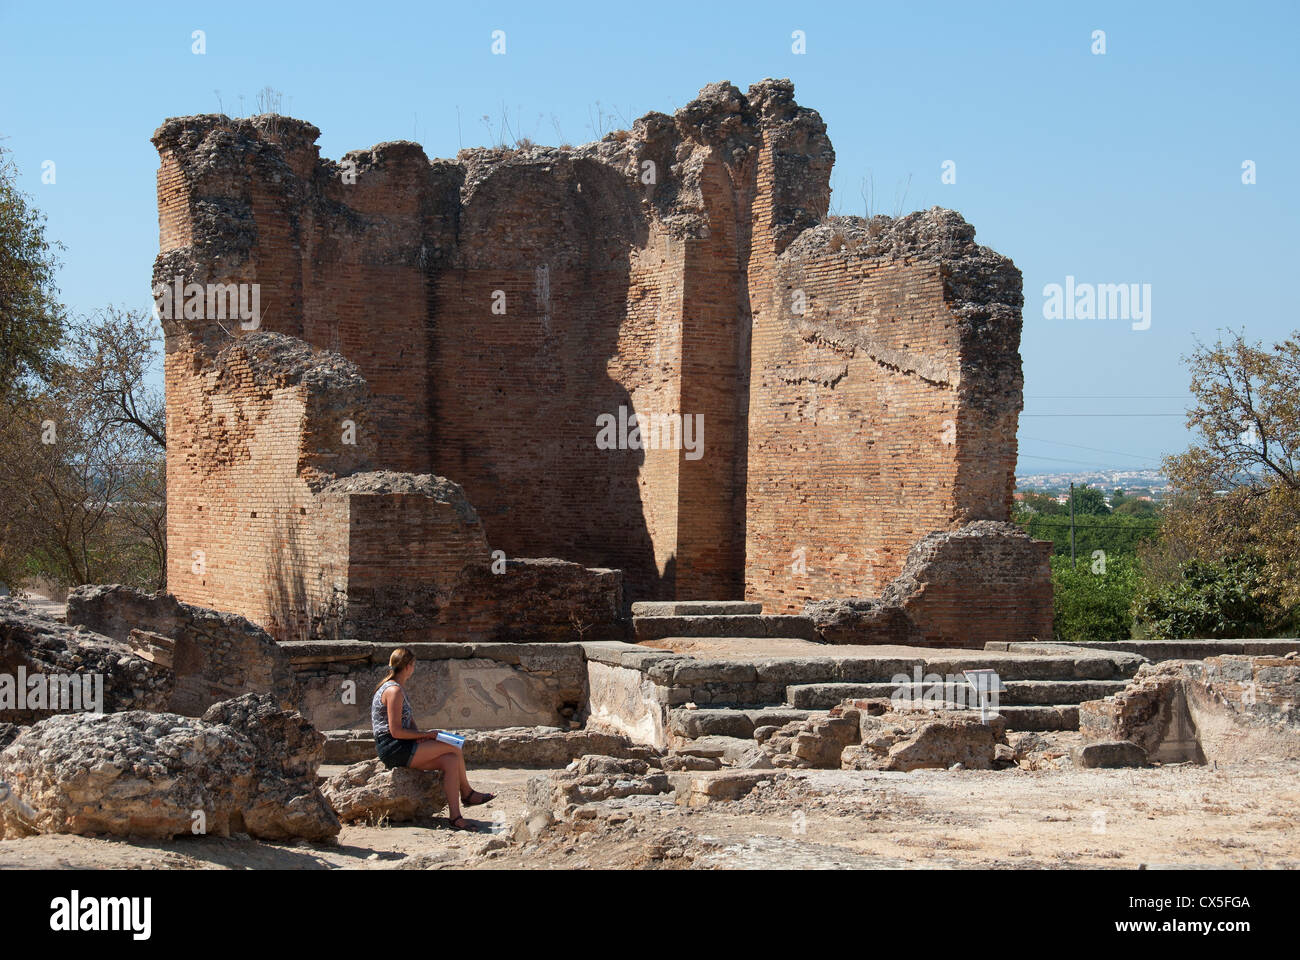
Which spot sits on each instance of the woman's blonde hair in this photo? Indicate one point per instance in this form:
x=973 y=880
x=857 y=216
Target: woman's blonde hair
x=397 y=661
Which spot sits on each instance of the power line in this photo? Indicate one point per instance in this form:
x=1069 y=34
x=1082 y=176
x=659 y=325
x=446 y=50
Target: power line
x=1108 y=526
x=1104 y=414
x=1035 y=456
x=1079 y=446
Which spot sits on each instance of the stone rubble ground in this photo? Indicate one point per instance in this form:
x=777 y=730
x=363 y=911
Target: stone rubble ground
x=869 y=782
x=1240 y=815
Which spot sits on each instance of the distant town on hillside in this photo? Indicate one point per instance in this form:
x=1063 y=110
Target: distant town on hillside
x=1135 y=483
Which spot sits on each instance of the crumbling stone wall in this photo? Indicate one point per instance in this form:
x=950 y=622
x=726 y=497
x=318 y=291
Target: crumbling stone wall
x=214 y=656
x=858 y=382
x=1221 y=708
x=985 y=581
x=48 y=668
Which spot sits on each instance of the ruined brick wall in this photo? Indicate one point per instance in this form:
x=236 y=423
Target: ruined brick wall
x=251 y=202
x=408 y=541
x=418 y=569
x=547 y=236
x=274 y=516
x=650 y=272
x=883 y=404
x=248 y=436
x=394 y=262
x=983 y=581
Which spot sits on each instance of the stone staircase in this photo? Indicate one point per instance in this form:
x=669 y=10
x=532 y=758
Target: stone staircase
x=733 y=695
x=1026 y=705
x=723 y=669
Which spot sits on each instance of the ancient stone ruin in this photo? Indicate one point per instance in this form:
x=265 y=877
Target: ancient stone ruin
x=652 y=361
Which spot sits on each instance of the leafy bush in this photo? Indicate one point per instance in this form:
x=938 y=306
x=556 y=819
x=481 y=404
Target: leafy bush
x=1214 y=600
x=1094 y=600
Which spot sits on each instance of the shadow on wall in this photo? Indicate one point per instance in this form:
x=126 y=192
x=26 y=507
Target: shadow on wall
x=519 y=393
x=294 y=612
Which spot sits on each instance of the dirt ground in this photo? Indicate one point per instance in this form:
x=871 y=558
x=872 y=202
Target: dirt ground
x=1242 y=815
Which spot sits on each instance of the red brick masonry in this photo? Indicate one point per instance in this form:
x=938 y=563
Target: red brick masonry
x=858 y=382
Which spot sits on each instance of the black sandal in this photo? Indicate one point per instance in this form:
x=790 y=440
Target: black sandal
x=461 y=821
x=471 y=802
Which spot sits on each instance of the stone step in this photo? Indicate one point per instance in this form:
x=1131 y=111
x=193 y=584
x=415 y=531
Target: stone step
x=764 y=681
x=327 y=770
x=759 y=681
x=1025 y=719
x=728 y=723
x=702 y=724
x=695 y=608
x=347 y=746
x=823 y=696
x=769 y=626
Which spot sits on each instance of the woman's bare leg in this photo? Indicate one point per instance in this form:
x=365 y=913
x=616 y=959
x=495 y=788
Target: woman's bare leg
x=450 y=784
x=432 y=755
x=439 y=750
x=466 y=789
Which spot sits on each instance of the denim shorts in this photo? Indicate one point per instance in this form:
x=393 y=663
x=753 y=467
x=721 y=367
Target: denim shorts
x=393 y=752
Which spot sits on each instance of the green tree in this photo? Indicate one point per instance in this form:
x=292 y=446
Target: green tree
x=1094 y=599
x=1237 y=488
x=1089 y=501
x=82 y=487
x=31 y=317
x=1041 y=503
x=1135 y=508
x=1118 y=534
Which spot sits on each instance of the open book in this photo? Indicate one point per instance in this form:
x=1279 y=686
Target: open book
x=451 y=738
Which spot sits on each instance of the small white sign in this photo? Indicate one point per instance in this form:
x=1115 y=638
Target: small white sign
x=987 y=685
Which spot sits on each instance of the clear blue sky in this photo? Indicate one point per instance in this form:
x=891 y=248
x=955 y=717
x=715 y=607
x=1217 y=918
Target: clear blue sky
x=1118 y=168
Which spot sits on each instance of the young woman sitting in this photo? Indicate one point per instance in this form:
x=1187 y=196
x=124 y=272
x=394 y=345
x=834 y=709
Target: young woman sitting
x=400 y=743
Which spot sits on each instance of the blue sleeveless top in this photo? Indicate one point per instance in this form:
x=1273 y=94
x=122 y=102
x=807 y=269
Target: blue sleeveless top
x=379 y=712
